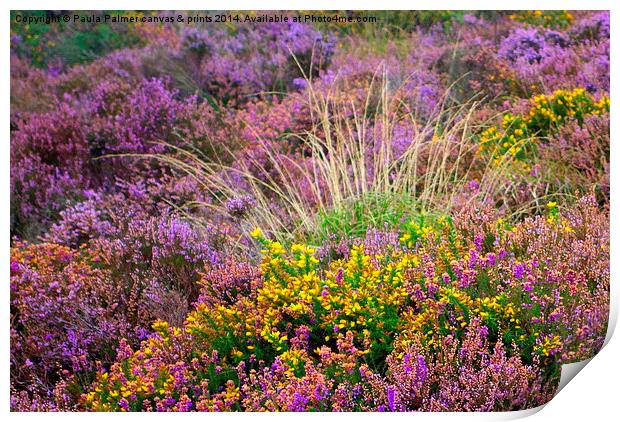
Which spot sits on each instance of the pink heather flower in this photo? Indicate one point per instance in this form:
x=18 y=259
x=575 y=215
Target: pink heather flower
x=518 y=271
x=391 y=396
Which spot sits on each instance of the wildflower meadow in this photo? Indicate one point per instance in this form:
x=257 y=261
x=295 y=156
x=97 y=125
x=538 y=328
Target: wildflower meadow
x=306 y=211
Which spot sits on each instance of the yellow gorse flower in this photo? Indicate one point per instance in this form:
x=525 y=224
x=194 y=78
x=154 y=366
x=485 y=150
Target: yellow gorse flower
x=518 y=133
x=256 y=233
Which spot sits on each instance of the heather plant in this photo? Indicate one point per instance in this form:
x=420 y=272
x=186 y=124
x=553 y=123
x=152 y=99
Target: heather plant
x=39 y=192
x=455 y=299
x=546 y=114
x=593 y=27
x=545 y=60
x=504 y=60
x=65 y=316
x=254 y=59
x=159 y=256
x=274 y=119
x=564 y=68
x=100 y=214
x=32 y=89
x=411 y=74
x=153 y=254
x=56 y=136
x=112 y=287
x=89 y=138
x=129 y=120
x=81 y=222
x=530 y=46
x=470 y=375
x=585 y=155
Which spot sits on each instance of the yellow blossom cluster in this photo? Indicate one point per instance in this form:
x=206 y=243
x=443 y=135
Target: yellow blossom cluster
x=515 y=139
x=546 y=18
x=362 y=294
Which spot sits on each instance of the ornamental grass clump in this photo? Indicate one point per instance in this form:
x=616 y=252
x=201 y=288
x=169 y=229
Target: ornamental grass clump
x=379 y=154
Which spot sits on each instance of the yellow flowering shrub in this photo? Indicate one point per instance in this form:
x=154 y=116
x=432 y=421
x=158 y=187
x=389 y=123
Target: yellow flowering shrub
x=363 y=294
x=516 y=136
x=547 y=18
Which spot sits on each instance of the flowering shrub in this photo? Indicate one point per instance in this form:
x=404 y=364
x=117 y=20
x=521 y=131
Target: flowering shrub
x=330 y=328
x=66 y=314
x=39 y=191
x=547 y=18
x=471 y=375
x=585 y=149
x=530 y=46
x=534 y=59
x=59 y=155
x=547 y=113
x=256 y=58
x=594 y=27
x=111 y=288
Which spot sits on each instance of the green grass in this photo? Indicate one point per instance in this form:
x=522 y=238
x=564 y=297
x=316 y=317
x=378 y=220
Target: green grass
x=356 y=216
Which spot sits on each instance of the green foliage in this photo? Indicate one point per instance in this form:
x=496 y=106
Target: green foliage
x=357 y=216
x=560 y=19
x=87 y=45
x=69 y=43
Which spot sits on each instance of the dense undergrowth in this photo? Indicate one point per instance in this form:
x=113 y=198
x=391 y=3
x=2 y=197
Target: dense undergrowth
x=408 y=215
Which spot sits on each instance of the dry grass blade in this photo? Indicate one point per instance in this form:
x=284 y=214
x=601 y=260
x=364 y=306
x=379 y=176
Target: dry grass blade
x=350 y=157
